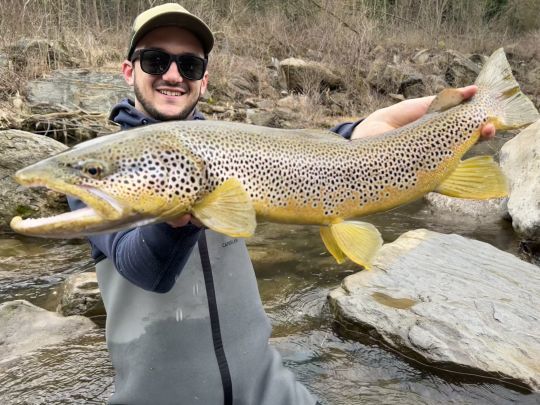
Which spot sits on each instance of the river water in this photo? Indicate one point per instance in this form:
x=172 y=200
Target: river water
x=295 y=275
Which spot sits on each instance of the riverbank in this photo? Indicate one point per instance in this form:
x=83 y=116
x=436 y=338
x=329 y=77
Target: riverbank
x=377 y=48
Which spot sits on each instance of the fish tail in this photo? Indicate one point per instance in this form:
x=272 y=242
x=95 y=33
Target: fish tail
x=513 y=108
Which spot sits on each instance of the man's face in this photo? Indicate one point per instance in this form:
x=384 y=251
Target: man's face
x=169 y=96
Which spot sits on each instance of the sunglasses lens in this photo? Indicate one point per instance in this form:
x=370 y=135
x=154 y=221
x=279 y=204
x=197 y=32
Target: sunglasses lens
x=155 y=62
x=191 y=67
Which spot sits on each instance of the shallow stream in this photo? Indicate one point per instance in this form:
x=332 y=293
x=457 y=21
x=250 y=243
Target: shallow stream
x=295 y=275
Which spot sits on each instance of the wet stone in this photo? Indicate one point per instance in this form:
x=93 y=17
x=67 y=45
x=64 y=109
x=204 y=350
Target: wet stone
x=452 y=302
x=520 y=161
x=20 y=149
x=81 y=296
x=26 y=328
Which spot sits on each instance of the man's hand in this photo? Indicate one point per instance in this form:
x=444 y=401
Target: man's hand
x=184 y=220
x=405 y=112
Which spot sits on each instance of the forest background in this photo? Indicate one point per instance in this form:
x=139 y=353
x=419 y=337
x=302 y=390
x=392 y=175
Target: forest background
x=251 y=33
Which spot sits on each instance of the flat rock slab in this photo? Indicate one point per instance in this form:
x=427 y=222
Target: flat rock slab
x=450 y=301
x=26 y=327
x=91 y=91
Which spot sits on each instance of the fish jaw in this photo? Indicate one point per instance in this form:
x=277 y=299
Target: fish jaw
x=104 y=205
x=67 y=225
x=102 y=214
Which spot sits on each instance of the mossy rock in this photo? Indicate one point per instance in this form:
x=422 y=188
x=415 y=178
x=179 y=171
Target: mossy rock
x=20 y=149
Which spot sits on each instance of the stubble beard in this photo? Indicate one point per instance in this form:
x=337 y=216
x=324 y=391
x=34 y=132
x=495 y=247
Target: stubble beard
x=157 y=115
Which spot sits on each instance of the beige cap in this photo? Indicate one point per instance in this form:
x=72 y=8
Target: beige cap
x=170 y=14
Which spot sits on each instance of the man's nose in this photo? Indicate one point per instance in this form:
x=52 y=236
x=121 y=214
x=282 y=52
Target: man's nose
x=173 y=74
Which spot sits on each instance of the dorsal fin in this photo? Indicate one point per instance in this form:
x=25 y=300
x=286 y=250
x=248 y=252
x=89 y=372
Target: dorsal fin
x=445 y=100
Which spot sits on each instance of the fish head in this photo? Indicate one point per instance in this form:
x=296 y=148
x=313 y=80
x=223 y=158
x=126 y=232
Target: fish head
x=125 y=180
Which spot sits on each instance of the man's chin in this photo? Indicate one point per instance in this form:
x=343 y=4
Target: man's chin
x=175 y=116
x=164 y=114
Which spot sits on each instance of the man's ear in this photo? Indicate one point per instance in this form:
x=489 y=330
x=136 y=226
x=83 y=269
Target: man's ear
x=204 y=84
x=128 y=72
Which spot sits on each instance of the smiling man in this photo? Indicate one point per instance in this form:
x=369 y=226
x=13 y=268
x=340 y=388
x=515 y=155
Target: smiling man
x=168 y=75
x=185 y=323
x=161 y=91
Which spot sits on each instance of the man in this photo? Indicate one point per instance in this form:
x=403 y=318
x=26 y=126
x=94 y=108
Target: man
x=185 y=323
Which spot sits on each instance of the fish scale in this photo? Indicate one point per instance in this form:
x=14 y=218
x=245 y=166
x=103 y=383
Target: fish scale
x=296 y=174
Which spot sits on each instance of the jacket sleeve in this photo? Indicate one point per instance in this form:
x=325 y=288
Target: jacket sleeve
x=346 y=129
x=150 y=256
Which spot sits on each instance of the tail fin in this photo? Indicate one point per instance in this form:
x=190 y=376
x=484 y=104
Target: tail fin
x=496 y=78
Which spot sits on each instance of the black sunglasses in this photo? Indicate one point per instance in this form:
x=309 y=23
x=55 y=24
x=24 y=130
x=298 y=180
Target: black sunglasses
x=157 y=62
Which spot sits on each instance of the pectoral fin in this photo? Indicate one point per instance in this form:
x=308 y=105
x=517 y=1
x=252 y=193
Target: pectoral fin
x=359 y=241
x=476 y=178
x=228 y=210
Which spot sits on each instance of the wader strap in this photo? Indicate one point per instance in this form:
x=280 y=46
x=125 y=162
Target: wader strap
x=214 y=321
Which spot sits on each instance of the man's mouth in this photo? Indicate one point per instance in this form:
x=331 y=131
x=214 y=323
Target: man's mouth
x=171 y=93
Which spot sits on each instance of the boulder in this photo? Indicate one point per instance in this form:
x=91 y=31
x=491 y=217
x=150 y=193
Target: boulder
x=475 y=210
x=452 y=302
x=302 y=76
x=20 y=149
x=396 y=79
x=277 y=118
x=520 y=162
x=460 y=70
x=77 y=89
x=26 y=328
x=81 y=296
x=422 y=56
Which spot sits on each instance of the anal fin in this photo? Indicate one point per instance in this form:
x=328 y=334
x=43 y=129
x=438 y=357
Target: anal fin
x=331 y=244
x=359 y=241
x=445 y=100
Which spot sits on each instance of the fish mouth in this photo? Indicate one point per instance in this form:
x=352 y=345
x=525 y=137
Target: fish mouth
x=102 y=214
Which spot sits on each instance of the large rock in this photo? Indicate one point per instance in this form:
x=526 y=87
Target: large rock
x=20 y=149
x=396 y=79
x=26 y=328
x=461 y=71
x=520 y=161
x=493 y=209
x=453 y=302
x=81 y=296
x=88 y=90
x=301 y=75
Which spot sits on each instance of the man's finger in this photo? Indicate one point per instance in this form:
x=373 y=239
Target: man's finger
x=488 y=131
x=468 y=91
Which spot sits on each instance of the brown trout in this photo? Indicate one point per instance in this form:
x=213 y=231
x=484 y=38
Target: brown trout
x=228 y=174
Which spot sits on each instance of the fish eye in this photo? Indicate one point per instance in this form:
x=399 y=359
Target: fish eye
x=94 y=170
